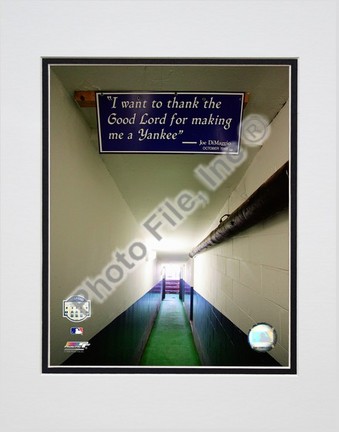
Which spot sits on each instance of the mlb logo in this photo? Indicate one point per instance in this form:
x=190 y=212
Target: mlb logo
x=77 y=330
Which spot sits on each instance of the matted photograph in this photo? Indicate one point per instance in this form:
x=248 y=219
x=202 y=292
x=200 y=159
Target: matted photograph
x=169 y=215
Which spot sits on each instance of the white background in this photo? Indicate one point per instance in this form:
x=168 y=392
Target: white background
x=35 y=402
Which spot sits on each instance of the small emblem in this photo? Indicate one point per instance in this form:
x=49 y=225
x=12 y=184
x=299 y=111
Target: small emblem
x=76 y=308
x=73 y=346
x=77 y=330
x=262 y=337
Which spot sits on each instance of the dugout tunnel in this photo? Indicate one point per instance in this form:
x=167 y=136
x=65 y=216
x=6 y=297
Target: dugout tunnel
x=181 y=254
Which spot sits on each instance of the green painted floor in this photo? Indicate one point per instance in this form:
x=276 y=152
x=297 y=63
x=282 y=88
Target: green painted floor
x=171 y=340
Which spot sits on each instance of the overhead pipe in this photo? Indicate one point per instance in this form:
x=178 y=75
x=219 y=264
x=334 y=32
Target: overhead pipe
x=271 y=197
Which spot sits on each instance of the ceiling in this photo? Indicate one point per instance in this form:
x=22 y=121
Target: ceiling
x=146 y=180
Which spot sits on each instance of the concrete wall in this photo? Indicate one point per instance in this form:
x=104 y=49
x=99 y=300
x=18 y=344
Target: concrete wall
x=247 y=277
x=89 y=220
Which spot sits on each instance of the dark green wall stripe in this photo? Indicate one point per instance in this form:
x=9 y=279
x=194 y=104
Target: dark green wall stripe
x=219 y=341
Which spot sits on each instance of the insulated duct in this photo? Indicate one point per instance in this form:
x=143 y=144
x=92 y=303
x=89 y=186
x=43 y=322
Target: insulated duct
x=270 y=198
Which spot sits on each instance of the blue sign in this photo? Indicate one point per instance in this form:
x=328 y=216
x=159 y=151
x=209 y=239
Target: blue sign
x=169 y=122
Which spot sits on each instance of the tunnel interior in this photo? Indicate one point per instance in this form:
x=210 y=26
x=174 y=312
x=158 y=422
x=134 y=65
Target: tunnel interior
x=120 y=233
